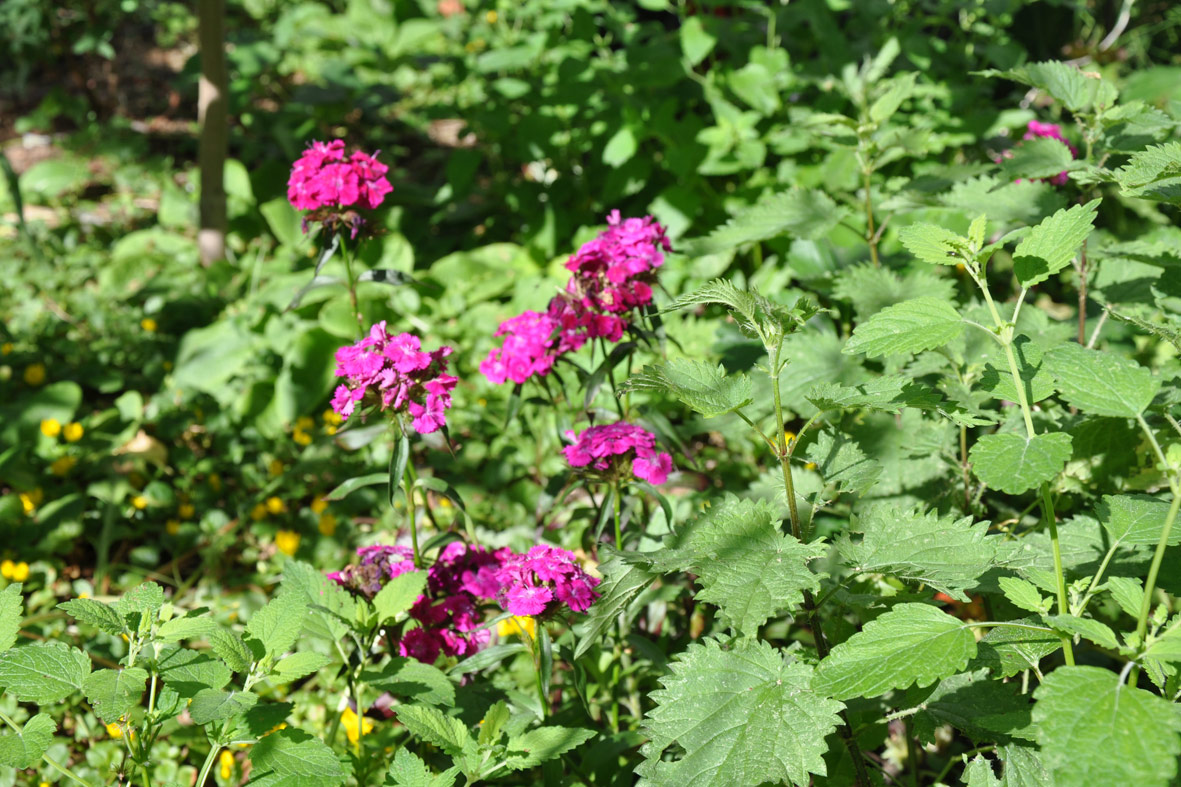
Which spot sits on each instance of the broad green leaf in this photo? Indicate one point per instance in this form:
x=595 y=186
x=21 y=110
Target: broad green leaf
x=1014 y=464
x=696 y=41
x=232 y=650
x=1007 y=650
x=23 y=749
x=979 y=773
x=346 y=488
x=1087 y=628
x=542 y=745
x=910 y=644
x=1093 y=729
x=272 y=630
x=623 y=580
x=1021 y=767
x=1101 y=383
x=620 y=148
x=1167 y=645
x=978 y=706
x=1135 y=519
x=908 y=327
x=1036 y=380
x=146 y=598
x=43 y=672
x=757 y=316
x=294 y=754
x=259 y=721
x=398 y=595
x=330 y=608
x=113 y=692
x=1167 y=332
x=934 y=244
x=188 y=671
x=431 y=725
x=407 y=770
x=804 y=213
x=1051 y=245
x=741 y=715
x=211 y=705
x=901 y=88
x=12 y=604
x=95 y=613
x=412 y=681
x=1065 y=82
x=841 y=462
x=1043 y=157
x=1153 y=173
x=1127 y=592
x=1024 y=595
x=197 y=626
x=743 y=561
x=872 y=289
x=947 y=553
x=297 y=665
x=888 y=394
x=703 y=388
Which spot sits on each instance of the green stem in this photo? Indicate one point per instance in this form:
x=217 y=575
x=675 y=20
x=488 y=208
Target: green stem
x=348 y=268
x=1098 y=576
x=617 y=506
x=1163 y=542
x=64 y=771
x=912 y=756
x=408 y=486
x=1059 y=576
x=870 y=234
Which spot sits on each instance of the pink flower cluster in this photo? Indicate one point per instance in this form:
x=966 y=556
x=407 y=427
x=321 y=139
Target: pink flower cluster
x=323 y=178
x=395 y=373
x=1036 y=129
x=543 y=579
x=448 y=613
x=612 y=275
x=607 y=447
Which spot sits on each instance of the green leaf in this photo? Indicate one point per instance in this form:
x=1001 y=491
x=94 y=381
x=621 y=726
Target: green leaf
x=297 y=665
x=398 y=595
x=696 y=41
x=43 y=672
x=232 y=650
x=872 y=289
x=330 y=608
x=1036 y=380
x=1153 y=173
x=901 y=88
x=1014 y=464
x=1101 y=383
x=620 y=148
x=113 y=692
x=272 y=630
x=757 y=316
x=353 y=484
x=259 y=721
x=1087 y=628
x=741 y=715
x=437 y=729
x=908 y=327
x=887 y=394
x=12 y=605
x=1065 y=82
x=23 y=749
x=1007 y=650
x=188 y=671
x=412 y=681
x=979 y=773
x=95 y=613
x=803 y=213
x=407 y=770
x=623 y=580
x=1127 y=592
x=706 y=389
x=1024 y=595
x=1043 y=157
x=1166 y=646
x=978 y=706
x=142 y=599
x=1051 y=245
x=211 y=705
x=910 y=644
x=1092 y=729
x=842 y=463
x=1135 y=519
x=294 y=754
x=542 y=745
x=947 y=553
x=934 y=244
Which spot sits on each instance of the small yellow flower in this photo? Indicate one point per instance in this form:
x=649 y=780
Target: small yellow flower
x=30 y=500
x=148 y=324
x=84 y=594
x=521 y=626
x=329 y=430
x=6 y=348
x=789 y=437
x=62 y=465
x=355 y=726
x=259 y=512
x=51 y=427
x=275 y=505
x=491 y=16
x=287 y=542
x=445 y=502
x=6 y=569
x=185 y=511
x=304 y=423
x=319 y=505
x=327 y=524
x=226 y=761
x=114 y=730
x=44 y=784
x=172 y=527
x=73 y=432
x=34 y=374
x=20 y=572
x=167 y=366
x=275 y=467
x=810 y=466
x=301 y=437
x=139 y=502
x=215 y=482
x=332 y=417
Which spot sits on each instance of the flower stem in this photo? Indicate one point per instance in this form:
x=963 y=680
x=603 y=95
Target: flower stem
x=348 y=268
x=617 y=505
x=408 y=485
x=1163 y=542
x=870 y=234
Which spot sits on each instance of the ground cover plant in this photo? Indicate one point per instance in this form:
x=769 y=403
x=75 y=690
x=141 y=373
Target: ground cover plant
x=594 y=393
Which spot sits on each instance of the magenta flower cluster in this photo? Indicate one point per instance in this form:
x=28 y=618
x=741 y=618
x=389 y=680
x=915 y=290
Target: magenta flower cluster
x=609 y=448
x=612 y=276
x=448 y=614
x=394 y=373
x=1036 y=129
x=323 y=178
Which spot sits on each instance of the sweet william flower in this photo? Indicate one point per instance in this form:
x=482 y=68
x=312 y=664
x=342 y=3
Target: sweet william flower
x=327 y=183
x=540 y=581
x=608 y=448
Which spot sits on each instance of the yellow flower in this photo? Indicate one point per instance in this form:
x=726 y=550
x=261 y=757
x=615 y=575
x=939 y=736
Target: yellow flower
x=6 y=569
x=51 y=427
x=185 y=511
x=35 y=374
x=226 y=761
x=114 y=730
x=172 y=526
x=275 y=505
x=73 y=432
x=6 y=348
x=329 y=430
x=139 y=502
x=319 y=505
x=167 y=366
x=287 y=542
x=62 y=465
x=215 y=482
x=482 y=402
x=355 y=726
x=275 y=467
x=789 y=437
x=327 y=524
x=148 y=324
x=259 y=512
x=304 y=423
x=810 y=466
x=522 y=626
x=301 y=437
x=332 y=417
x=491 y=16
x=30 y=500
x=20 y=572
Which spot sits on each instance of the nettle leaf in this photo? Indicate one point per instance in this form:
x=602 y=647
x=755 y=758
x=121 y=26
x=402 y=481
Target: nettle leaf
x=744 y=563
x=704 y=388
x=1051 y=245
x=94 y=613
x=259 y=721
x=934 y=244
x=1166 y=646
x=188 y=671
x=1022 y=768
x=331 y=609
x=1024 y=595
x=1093 y=729
x=113 y=692
x=1135 y=519
x=398 y=595
x=973 y=703
x=910 y=644
x=23 y=749
x=232 y=650
x=1087 y=628
x=1127 y=592
x=211 y=705
x=542 y=745
x=438 y=729
x=1101 y=383
x=887 y=394
x=743 y=715
x=272 y=630
x=842 y=463
x=12 y=605
x=298 y=665
x=139 y=604
x=43 y=672
x=1153 y=173
x=1043 y=157
x=1067 y=83
x=872 y=289
x=193 y=626
x=623 y=580
x=1007 y=650
x=293 y=754
x=407 y=770
x=1014 y=464
x=412 y=681
x=803 y=213
x=947 y=553
x=757 y=316
x=1036 y=379
x=908 y=327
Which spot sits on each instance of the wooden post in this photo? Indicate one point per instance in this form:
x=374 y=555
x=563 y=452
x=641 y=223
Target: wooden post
x=212 y=115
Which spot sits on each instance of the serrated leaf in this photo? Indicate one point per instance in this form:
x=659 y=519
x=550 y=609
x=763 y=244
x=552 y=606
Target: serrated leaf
x=293 y=753
x=407 y=770
x=933 y=244
x=94 y=613
x=901 y=88
x=978 y=706
x=330 y=608
x=259 y=721
x=1127 y=592
x=1051 y=245
x=997 y=378
x=704 y=388
x=231 y=649
x=398 y=595
x=908 y=327
x=872 y=289
x=757 y=316
x=1043 y=157
x=146 y=598
x=841 y=462
x=979 y=773
x=1065 y=82
x=1101 y=383
x=542 y=745
x=211 y=705
x=887 y=394
x=297 y=665
x=1153 y=173
x=1165 y=646
x=273 y=629
x=1014 y=464
x=430 y=724
x=12 y=605
x=1092 y=729
x=742 y=715
x=1007 y=650
x=43 y=672
x=412 y=681
x=910 y=644
x=804 y=213
x=623 y=580
x=1135 y=519
x=1087 y=628
x=188 y=627
x=113 y=692
x=1024 y=595
x=1021 y=767
x=947 y=553
x=23 y=749
x=188 y=671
